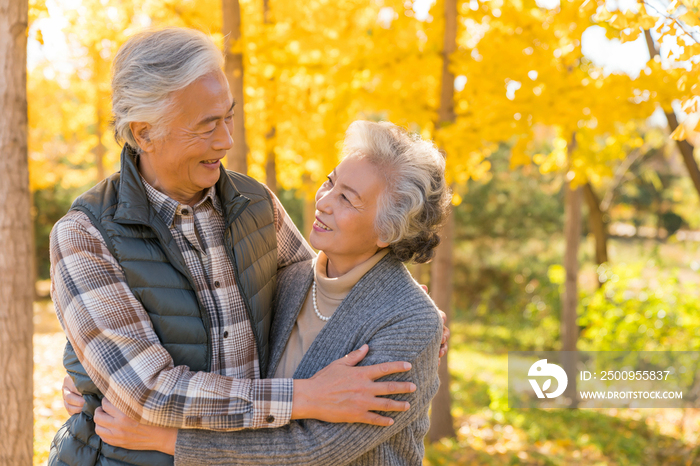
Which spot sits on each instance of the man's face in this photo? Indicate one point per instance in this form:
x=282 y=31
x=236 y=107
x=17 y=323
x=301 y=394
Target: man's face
x=186 y=160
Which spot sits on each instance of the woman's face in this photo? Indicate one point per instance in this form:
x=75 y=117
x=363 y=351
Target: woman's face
x=346 y=206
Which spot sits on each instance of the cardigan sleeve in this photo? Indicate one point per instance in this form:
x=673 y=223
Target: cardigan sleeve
x=415 y=339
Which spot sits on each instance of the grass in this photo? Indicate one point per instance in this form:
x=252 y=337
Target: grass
x=488 y=433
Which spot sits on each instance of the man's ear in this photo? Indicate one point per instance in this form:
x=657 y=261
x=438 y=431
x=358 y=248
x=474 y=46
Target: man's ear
x=141 y=132
x=381 y=244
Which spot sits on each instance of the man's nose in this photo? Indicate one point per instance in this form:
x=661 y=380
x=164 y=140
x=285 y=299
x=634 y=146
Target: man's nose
x=222 y=138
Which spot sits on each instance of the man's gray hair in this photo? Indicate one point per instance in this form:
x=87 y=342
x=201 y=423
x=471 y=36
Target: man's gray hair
x=148 y=68
x=415 y=200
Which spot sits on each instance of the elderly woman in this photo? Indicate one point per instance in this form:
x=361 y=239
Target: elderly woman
x=380 y=207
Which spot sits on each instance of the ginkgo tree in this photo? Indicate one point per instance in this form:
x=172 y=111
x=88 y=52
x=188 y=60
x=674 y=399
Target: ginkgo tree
x=673 y=77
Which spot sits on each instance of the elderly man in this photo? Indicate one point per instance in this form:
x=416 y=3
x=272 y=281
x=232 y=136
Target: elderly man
x=163 y=274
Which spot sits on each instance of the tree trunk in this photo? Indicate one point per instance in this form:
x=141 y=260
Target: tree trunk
x=569 y=327
x=686 y=149
x=270 y=163
x=233 y=51
x=100 y=149
x=16 y=287
x=597 y=224
x=271 y=122
x=441 y=422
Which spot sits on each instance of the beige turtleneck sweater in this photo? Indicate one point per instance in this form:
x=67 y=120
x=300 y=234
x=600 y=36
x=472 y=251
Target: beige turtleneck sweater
x=330 y=292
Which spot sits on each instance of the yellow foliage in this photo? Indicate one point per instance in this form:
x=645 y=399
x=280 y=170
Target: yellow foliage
x=680 y=133
x=311 y=71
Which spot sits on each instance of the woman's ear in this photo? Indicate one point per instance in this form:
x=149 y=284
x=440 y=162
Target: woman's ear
x=141 y=132
x=381 y=244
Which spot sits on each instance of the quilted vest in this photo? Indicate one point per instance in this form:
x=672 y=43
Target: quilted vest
x=158 y=277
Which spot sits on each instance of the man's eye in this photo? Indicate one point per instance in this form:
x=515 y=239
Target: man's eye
x=229 y=118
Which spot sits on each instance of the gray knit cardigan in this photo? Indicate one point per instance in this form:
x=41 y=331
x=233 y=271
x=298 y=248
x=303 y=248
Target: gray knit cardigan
x=385 y=309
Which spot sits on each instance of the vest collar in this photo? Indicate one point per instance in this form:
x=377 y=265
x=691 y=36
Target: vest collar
x=133 y=206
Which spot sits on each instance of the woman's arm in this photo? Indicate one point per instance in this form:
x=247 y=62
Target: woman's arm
x=307 y=442
x=415 y=337
x=313 y=442
x=116 y=429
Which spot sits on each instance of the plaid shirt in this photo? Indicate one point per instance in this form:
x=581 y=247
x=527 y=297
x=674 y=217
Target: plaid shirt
x=101 y=316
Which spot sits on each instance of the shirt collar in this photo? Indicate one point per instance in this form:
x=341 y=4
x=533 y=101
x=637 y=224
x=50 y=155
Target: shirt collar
x=168 y=207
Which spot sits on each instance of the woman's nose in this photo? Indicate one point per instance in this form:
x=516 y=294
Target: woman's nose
x=323 y=203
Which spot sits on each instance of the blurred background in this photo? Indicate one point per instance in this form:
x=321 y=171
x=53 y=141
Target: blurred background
x=569 y=129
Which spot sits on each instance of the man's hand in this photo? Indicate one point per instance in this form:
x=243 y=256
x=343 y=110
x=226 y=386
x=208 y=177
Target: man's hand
x=118 y=430
x=445 y=335
x=342 y=393
x=73 y=401
x=445 y=330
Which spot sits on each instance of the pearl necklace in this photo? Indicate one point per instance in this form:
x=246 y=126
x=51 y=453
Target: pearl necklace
x=318 y=313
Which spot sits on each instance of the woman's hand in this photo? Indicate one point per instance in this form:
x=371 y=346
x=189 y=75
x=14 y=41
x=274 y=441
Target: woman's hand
x=72 y=399
x=118 y=430
x=342 y=393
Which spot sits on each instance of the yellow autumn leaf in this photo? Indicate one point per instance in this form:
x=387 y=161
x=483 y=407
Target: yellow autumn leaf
x=630 y=36
x=618 y=21
x=603 y=15
x=679 y=134
x=691 y=18
x=647 y=21
x=690 y=106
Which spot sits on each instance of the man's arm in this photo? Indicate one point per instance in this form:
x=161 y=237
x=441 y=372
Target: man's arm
x=306 y=442
x=114 y=339
x=313 y=442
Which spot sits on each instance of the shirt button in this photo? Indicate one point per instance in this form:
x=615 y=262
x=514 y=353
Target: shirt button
x=217 y=284
x=270 y=419
x=185 y=211
x=226 y=334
